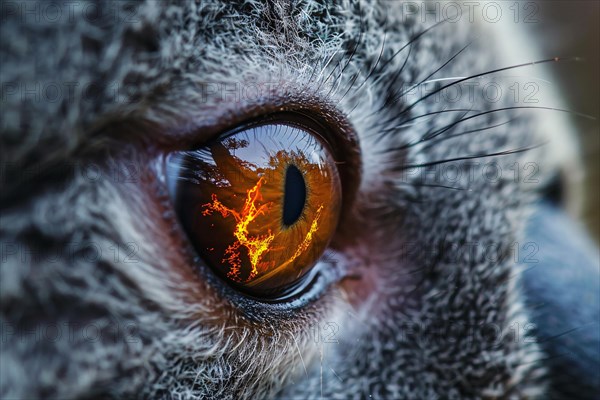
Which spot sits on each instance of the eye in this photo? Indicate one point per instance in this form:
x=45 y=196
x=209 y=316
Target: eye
x=260 y=204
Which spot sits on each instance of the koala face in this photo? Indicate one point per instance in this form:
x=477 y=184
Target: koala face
x=286 y=200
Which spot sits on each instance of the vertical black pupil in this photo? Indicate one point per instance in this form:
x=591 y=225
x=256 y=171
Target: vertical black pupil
x=294 y=196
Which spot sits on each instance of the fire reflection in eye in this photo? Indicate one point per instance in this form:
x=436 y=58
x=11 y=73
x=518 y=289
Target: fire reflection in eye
x=255 y=246
x=260 y=206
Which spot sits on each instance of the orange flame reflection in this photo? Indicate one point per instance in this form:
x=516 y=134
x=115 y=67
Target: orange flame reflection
x=309 y=235
x=257 y=245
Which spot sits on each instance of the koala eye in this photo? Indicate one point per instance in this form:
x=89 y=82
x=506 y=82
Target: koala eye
x=259 y=204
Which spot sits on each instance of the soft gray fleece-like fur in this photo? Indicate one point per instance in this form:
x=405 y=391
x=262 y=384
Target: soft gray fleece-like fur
x=100 y=294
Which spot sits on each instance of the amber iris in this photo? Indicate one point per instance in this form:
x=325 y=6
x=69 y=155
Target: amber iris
x=259 y=205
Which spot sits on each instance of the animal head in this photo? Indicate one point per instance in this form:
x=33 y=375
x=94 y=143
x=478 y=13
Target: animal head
x=435 y=283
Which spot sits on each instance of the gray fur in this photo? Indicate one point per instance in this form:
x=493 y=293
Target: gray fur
x=182 y=337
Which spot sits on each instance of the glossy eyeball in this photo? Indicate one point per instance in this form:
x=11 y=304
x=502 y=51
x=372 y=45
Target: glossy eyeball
x=259 y=205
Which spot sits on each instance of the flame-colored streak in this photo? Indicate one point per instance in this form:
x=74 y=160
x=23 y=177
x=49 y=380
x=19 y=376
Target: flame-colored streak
x=257 y=245
x=309 y=235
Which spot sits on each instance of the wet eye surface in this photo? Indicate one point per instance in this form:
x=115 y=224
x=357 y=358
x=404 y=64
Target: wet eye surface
x=259 y=205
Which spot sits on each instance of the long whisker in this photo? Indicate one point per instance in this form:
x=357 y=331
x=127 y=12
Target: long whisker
x=440 y=131
x=403 y=93
x=408 y=45
x=464 y=158
x=433 y=141
x=406 y=122
x=548 y=60
x=370 y=72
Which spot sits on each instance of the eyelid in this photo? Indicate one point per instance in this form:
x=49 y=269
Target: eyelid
x=184 y=130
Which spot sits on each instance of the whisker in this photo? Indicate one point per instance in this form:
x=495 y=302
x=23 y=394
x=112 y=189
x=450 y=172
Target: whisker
x=440 y=131
x=434 y=141
x=543 y=360
x=408 y=45
x=336 y=375
x=337 y=79
x=349 y=60
x=464 y=158
x=553 y=337
x=431 y=74
x=452 y=78
x=300 y=354
x=413 y=40
x=382 y=134
x=393 y=80
x=371 y=71
x=493 y=71
x=405 y=124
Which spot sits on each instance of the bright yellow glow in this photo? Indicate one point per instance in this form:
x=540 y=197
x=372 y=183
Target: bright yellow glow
x=309 y=235
x=257 y=245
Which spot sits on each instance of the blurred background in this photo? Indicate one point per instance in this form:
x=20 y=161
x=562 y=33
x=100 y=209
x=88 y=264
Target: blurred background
x=569 y=29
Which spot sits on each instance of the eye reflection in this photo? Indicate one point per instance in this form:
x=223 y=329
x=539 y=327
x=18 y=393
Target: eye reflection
x=260 y=205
